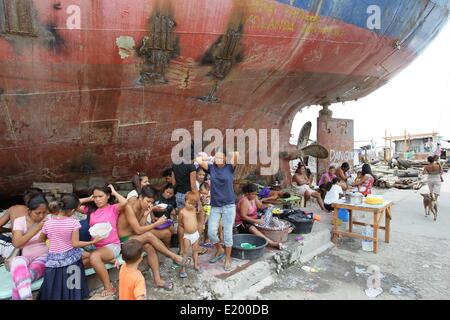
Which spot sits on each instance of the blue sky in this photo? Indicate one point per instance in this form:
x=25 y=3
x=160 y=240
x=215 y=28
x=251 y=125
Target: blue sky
x=417 y=100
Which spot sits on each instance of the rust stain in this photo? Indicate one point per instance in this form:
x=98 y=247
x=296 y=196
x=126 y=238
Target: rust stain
x=158 y=48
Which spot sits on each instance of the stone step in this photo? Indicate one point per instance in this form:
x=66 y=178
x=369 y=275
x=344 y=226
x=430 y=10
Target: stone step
x=245 y=283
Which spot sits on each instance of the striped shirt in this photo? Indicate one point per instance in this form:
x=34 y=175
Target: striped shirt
x=59 y=233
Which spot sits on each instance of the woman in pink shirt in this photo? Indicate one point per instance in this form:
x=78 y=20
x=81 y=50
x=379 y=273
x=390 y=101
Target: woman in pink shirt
x=326 y=180
x=101 y=209
x=247 y=214
x=30 y=266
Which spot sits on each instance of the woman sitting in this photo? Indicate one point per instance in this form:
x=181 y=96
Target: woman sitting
x=326 y=178
x=343 y=173
x=139 y=181
x=30 y=266
x=247 y=214
x=304 y=189
x=102 y=209
x=366 y=182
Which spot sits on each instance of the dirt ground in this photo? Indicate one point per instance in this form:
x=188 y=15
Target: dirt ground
x=415 y=265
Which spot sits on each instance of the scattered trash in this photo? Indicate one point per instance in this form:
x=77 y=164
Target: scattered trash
x=438 y=267
x=206 y=295
x=396 y=290
x=346 y=274
x=360 y=270
x=425 y=266
x=373 y=293
x=309 y=269
x=299 y=238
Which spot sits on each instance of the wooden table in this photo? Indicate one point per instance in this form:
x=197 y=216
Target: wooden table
x=378 y=212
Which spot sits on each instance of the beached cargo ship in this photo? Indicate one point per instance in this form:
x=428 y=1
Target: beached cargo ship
x=94 y=88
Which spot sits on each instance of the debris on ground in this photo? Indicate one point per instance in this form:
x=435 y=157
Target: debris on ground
x=373 y=293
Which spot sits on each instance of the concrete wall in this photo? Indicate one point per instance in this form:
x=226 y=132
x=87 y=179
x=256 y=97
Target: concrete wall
x=337 y=135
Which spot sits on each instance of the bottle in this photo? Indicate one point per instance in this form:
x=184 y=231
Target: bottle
x=367 y=245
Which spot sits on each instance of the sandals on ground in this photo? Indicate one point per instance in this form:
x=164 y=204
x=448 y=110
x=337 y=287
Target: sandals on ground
x=216 y=258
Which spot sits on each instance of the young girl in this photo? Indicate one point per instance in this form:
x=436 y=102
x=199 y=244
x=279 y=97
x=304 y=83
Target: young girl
x=64 y=277
x=200 y=177
x=205 y=199
x=102 y=209
x=30 y=266
x=139 y=180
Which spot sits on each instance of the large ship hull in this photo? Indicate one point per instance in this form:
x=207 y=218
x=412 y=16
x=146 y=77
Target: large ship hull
x=96 y=88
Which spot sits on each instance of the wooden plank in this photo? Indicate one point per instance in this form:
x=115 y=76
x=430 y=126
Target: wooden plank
x=361 y=208
x=350 y=221
x=387 y=234
x=335 y=226
x=375 y=231
x=367 y=224
x=353 y=235
x=54 y=187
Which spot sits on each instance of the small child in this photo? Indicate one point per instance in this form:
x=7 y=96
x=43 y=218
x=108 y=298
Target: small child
x=64 y=277
x=205 y=200
x=131 y=281
x=200 y=177
x=187 y=220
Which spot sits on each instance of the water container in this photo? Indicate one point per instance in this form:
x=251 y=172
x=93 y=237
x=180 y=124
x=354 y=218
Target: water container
x=367 y=245
x=344 y=215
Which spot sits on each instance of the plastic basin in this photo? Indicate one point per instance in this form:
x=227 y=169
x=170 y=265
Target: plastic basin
x=248 y=254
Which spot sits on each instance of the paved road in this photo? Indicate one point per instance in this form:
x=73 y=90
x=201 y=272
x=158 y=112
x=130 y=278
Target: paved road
x=415 y=265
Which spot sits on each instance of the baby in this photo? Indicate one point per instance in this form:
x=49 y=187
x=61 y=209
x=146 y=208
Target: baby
x=188 y=221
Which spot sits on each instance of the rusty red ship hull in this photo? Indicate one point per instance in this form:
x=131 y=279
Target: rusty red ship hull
x=95 y=88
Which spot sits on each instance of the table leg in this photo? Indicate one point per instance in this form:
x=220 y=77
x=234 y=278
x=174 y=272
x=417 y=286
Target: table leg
x=375 y=231
x=387 y=232
x=350 y=221
x=335 y=226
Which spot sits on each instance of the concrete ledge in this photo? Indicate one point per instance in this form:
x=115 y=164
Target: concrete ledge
x=247 y=280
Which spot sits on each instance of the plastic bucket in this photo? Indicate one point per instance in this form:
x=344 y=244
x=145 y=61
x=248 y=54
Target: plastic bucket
x=248 y=254
x=344 y=215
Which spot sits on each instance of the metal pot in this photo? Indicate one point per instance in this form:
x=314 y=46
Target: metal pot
x=354 y=198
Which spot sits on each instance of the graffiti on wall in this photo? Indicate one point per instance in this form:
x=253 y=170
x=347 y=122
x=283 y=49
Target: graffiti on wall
x=338 y=157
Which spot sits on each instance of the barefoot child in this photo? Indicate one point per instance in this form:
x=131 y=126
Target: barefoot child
x=65 y=256
x=131 y=280
x=188 y=221
x=205 y=199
